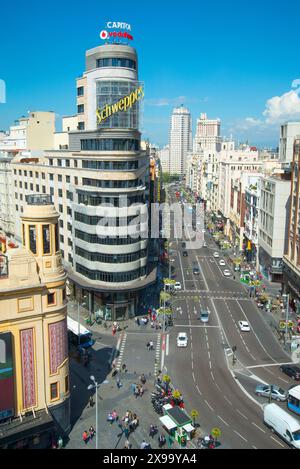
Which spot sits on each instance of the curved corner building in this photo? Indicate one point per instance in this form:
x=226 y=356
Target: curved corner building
x=109 y=208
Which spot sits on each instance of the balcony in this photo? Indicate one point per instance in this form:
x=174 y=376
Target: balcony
x=39 y=199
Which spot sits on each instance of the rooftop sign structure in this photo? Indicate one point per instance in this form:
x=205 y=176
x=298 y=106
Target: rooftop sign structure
x=116 y=32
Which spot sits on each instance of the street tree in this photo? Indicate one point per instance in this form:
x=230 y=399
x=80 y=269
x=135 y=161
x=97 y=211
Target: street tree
x=194 y=414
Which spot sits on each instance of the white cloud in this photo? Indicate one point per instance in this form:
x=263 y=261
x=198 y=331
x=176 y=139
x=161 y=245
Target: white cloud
x=284 y=107
x=166 y=101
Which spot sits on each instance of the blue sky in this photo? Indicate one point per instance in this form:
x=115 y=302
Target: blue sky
x=230 y=59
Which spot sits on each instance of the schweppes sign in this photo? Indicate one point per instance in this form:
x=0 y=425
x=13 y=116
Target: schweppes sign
x=122 y=105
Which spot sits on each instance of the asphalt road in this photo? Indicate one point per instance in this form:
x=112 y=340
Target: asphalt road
x=207 y=379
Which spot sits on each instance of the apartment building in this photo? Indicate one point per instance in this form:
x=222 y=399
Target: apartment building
x=100 y=187
x=291 y=258
x=273 y=224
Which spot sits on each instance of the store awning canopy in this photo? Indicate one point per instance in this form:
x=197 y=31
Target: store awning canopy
x=188 y=428
x=167 y=422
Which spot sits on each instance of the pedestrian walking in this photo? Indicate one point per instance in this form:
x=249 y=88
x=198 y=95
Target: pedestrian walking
x=151 y=345
x=127 y=444
x=92 y=432
x=119 y=384
x=143 y=378
x=126 y=431
x=124 y=368
x=91 y=401
x=85 y=437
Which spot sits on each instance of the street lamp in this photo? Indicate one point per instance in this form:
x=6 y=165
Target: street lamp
x=95 y=386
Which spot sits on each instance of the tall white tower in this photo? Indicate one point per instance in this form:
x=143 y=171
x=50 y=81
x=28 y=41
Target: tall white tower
x=180 y=139
x=207 y=134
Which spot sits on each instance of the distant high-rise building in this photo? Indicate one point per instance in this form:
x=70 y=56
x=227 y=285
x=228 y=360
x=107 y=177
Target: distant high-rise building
x=207 y=134
x=288 y=132
x=180 y=139
x=164 y=156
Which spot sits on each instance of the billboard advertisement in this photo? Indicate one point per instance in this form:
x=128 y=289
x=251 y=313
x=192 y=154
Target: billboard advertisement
x=6 y=376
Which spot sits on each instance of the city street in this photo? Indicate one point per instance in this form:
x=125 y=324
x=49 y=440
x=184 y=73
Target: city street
x=211 y=383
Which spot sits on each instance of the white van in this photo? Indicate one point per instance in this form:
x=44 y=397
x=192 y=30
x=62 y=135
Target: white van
x=282 y=423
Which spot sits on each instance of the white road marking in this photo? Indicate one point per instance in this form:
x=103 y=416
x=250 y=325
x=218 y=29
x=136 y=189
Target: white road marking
x=212 y=375
x=193 y=375
x=223 y=421
x=209 y=406
x=258 y=427
x=278 y=442
x=254 y=447
x=204 y=279
x=183 y=281
x=197 y=387
x=242 y=414
x=237 y=433
x=167 y=345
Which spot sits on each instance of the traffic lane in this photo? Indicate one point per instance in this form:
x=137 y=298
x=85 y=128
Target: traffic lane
x=231 y=405
x=233 y=335
x=245 y=310
x=190 y=373
x=222 y=396
x=272 y=375
x=229 y=283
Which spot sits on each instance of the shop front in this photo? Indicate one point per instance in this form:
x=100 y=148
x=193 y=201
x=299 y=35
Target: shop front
x=178 y=424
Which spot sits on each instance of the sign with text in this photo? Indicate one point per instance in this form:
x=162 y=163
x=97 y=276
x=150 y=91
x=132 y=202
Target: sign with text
x=116 y=30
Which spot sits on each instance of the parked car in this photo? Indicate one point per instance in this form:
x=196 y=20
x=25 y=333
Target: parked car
x=185 y=253
x=291 y=370
x=227 y=273
x=267 y=390
x=183 y=244
x=204 y=316
x=177 y=286
x=222 y=262
x=196 y=270
x=182 y=339
x=216 y=255
x=281 y=422
x=205 y=244
x=244 y=326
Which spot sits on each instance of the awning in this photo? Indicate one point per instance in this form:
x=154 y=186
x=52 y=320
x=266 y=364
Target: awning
x=188 y=428
x=167 y=422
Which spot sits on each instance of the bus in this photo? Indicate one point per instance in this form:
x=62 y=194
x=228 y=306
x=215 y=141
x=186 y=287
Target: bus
x=85 y=336
x=293 y=401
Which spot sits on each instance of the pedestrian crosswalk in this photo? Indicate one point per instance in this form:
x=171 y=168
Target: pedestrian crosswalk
x=122 y=347
x=157 y=355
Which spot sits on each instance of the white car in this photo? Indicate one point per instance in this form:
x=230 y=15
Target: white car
x=227 y=273
x=216 y=255
x=244 y=326
x=177 y=286
x=203 y=231
x=182 y=339
x=222 y=262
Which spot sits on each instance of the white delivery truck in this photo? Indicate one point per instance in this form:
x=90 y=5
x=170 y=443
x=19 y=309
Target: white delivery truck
x=284 y=424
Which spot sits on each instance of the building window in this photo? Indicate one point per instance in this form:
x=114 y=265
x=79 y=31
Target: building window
x=76 y=181
x=62 y=239
x=36 y=175
x=60 y=193
x=80 y=108
x=61 y=223
x=80 y=91
x=51 y=299
x=68 y=163
x=59 y=162
x=43 y=175
x=75 y=164
x=59 y=178
x=53 y=391
x=60 y=208
x=31 y=174
x=32 y=238
x=51 y=177
x=64 y=294
x=37 y=188
x=68 y=179
x=46 y=239
x=80 y=125
x=31 y=187
x=50 y=162
x=25 y=173
x=51 y=191
x=44 y=189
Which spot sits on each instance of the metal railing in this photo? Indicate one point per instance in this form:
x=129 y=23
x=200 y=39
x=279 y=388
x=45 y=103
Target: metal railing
x=39 y=199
